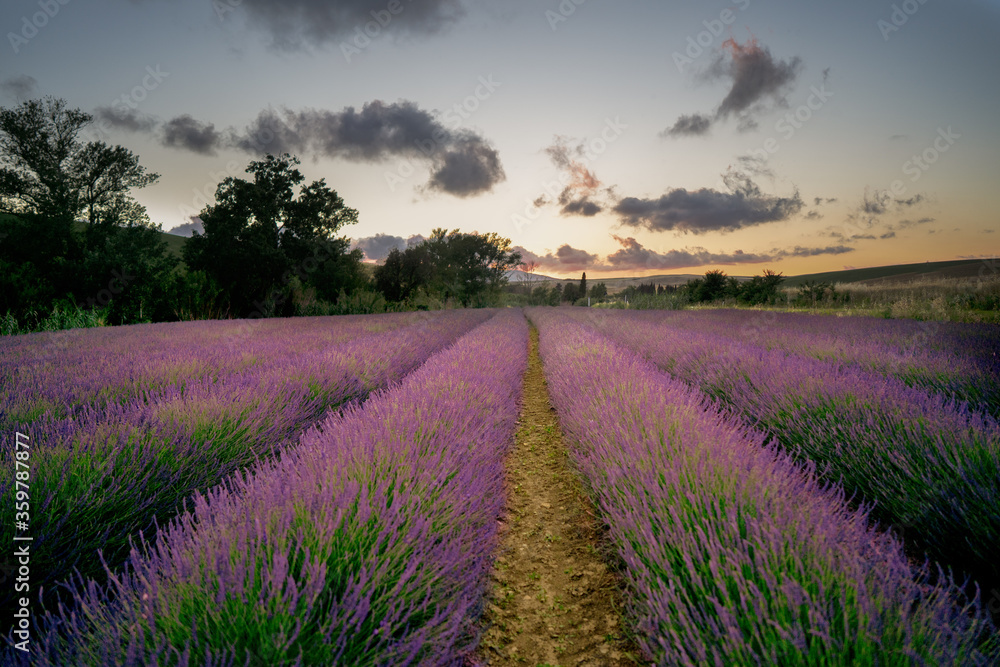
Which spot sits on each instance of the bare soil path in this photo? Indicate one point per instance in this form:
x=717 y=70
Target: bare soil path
x=554 y=601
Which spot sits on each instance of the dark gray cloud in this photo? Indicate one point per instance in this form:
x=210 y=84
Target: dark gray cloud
x=814 y=215
x=186 y=133
x=888 y=235
x=468 y=168
x=912 y=201
x=690 y=125
x=708 y=210
x=188 y=228
x=295 y=24
x=757 y=81
x=378 y=247
x=461 y=162
x=755 y=75
x=20 y=87
x=123 y=118
x=634 y=256
x=582 y=206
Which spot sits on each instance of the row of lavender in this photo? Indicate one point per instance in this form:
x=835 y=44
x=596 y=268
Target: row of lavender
x=953 y=359
x=59 y=373
x=929 y=465
x=367 y=544
x=732 y=552
x=104 y=471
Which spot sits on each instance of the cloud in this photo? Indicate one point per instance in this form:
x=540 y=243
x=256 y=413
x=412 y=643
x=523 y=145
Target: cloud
x=20 y=87
x=580 y=183
x=888 y=235
x=186 y=133
x=462 y=162
x=470 y=168
x=799 y=251
x=754 y=77
x=378 y=247
x=582 y=206
x=689 y=125
x=708 y=210
x=912 y=201
x=634 y=256
x=188 y=228
x=122 y=118
x=295 y=24
x=566 y=258
x=814 y=215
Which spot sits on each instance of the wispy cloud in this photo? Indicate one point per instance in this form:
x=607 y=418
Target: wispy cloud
x=755 y=78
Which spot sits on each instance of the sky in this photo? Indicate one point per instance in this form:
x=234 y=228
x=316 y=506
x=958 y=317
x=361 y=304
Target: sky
x=620 y=138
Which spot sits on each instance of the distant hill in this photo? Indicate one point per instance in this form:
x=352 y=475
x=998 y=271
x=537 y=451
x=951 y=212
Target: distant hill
x=896 y=273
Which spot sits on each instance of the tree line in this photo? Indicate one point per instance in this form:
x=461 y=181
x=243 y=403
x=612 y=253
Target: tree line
x=73 y=240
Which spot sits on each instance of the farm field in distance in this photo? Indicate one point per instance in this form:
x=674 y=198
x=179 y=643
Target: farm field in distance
x=537 y=486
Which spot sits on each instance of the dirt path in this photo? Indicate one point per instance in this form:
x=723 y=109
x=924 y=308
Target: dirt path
x=553 y=602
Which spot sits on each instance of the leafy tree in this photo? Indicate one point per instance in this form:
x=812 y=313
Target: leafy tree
x=761 y=289
x=259 y=235
x=470 y=268
x=713 y=286
x=570 y=292
x=403 y=273
x=555 y=294
x=583 y=285
x=48 y=179
x=599 y=291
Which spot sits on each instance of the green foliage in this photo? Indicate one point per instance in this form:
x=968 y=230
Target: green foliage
x=113 y=264
x=468 y=268
x=259 y=236
x=760 y=290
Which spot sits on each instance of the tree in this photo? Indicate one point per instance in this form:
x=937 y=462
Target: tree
x=470 y=268
x=570 y=292
x=48 y=179
x=583 y=285
x=761 y=289
x=48 y=171
x=259 y=235
x=599 y=291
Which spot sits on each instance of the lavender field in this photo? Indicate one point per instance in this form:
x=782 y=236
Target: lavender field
x=795 y=490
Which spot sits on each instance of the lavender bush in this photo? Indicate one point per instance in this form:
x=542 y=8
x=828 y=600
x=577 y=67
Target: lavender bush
x=930 y=467
x=367 y=544
x=111 y=469
x=732 y=553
